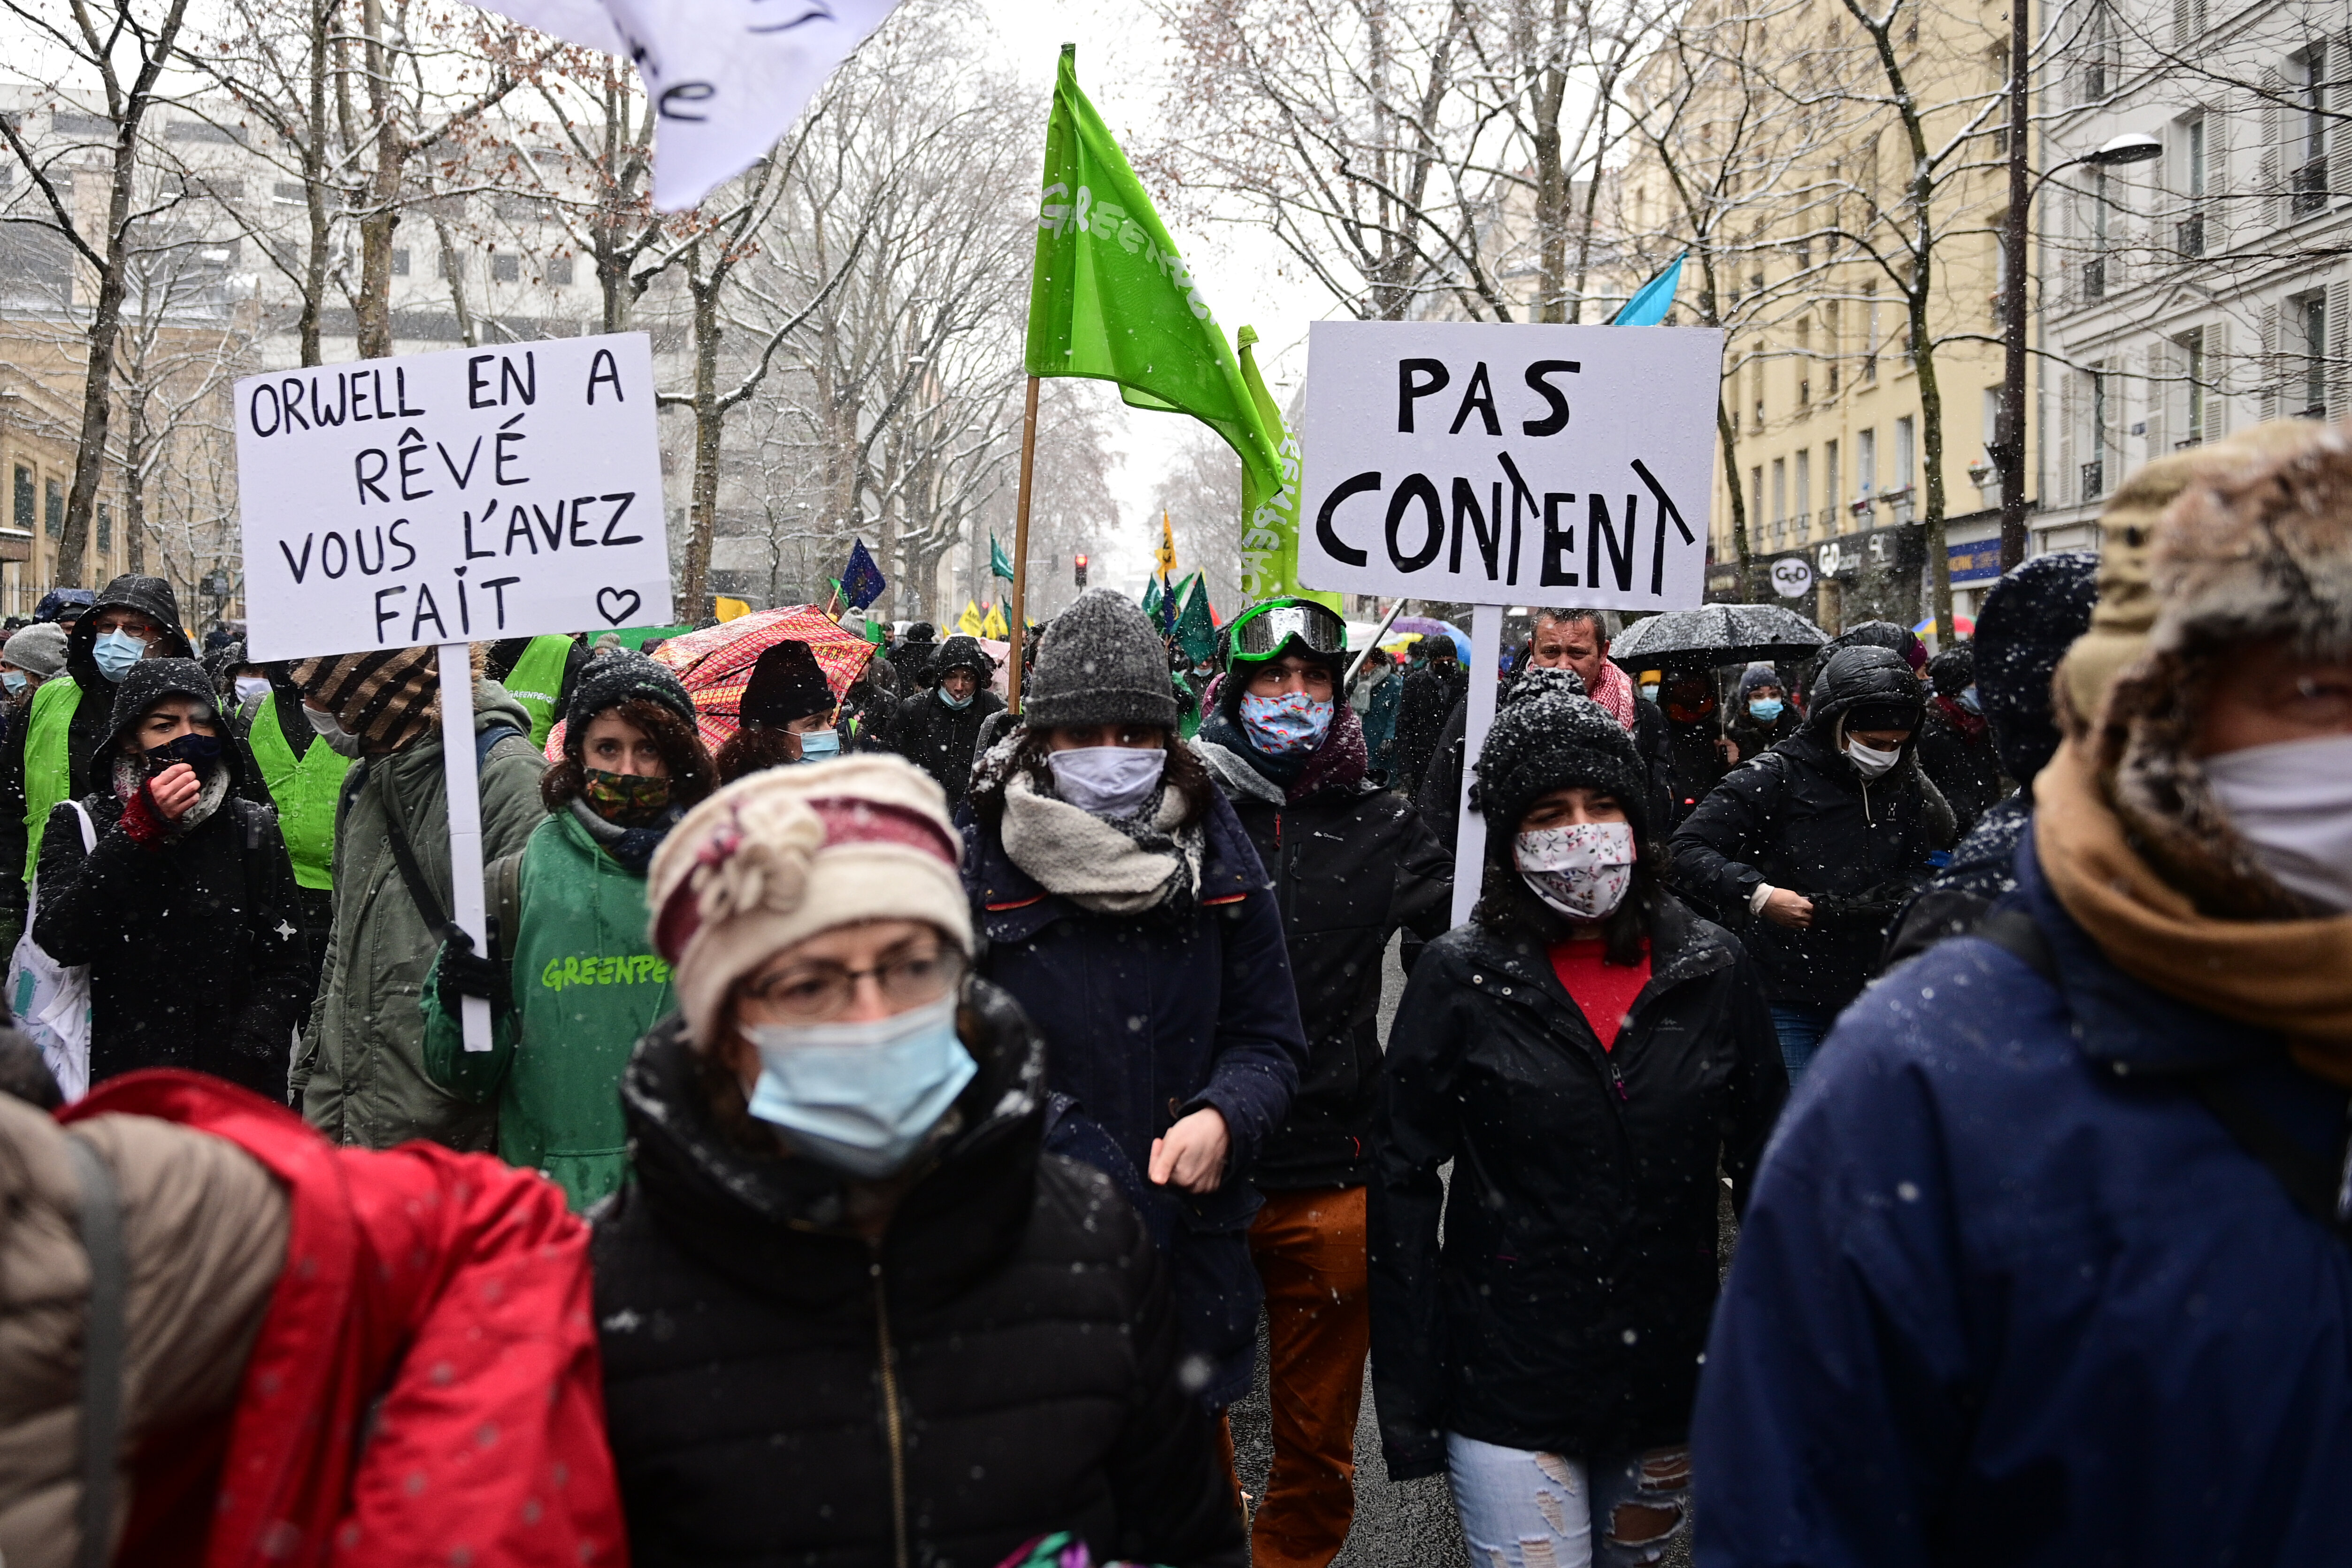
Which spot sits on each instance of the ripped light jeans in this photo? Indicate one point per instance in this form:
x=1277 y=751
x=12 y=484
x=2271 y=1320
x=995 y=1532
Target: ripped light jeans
x=1524 y=1509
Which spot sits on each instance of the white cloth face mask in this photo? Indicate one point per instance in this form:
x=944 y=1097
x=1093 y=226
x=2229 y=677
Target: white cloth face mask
x=1108 y=781
x=1869 y=761
x=2292 y=803
x=1582 y=870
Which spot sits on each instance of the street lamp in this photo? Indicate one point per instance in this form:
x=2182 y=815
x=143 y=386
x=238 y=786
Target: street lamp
x=2008 y=444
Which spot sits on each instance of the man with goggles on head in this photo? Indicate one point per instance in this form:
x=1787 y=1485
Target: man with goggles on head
x=1351 y=863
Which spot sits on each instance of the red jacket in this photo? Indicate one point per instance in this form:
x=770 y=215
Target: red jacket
x=425 y=1387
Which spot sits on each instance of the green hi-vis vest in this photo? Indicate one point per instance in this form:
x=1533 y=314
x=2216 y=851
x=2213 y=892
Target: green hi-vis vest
x=305 y=789
x=536 y=682
x=48 y=759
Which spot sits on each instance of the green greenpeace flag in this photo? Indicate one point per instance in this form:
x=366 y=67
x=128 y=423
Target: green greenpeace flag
x=998 y=567
x=1111 y=300
x=1270 y=513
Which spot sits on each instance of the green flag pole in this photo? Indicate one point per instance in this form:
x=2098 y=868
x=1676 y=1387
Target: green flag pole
x=1021 y=547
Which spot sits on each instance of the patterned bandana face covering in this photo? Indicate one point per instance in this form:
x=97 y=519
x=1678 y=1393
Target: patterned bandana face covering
x=627 y=800
x=1581 y=871
x=1285 y=725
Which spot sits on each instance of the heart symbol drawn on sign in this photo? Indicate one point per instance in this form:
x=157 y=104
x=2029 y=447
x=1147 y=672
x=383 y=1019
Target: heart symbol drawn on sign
x=626 y=599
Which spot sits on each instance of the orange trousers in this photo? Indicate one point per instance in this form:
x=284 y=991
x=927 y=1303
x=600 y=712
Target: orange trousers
x=1309 y=1251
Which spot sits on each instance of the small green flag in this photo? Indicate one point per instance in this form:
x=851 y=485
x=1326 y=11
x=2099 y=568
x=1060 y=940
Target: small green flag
x=1151 y=596
x=1110 y=299
x=1196 y=624
x=998 y=567
x=1270 y=514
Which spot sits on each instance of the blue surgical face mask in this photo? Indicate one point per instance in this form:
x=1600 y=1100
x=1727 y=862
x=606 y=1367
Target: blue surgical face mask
x=861 y=1096
x=115 y=653
x=958 y=703
x=1764 y=710
x=1968 y=698
x=1286 y=725
x=818 y=744
x=14 y=681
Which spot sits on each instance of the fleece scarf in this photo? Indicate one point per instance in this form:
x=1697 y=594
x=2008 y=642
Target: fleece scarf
x=1113 y=868
x=2292 y=976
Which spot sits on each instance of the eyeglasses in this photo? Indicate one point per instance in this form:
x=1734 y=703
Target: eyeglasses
x=817 y=992
x=1265 y=632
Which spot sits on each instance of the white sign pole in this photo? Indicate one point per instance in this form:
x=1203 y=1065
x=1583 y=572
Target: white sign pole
x=464 y=784
x=1470 y=833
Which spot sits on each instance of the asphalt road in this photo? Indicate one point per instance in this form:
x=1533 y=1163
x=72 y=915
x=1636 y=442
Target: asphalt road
x=1397 y=1524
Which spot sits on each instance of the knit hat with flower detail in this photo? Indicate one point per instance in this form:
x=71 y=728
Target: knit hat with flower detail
x=779 y=855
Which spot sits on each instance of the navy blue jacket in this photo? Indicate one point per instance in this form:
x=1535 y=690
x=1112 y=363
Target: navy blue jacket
x=2006 y=1294
x=1148 y=1019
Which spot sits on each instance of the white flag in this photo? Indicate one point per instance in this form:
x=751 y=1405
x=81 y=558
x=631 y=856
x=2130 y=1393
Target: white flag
x=728 y=77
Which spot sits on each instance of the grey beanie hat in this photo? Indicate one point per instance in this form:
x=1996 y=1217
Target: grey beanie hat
x=1100 y=663
x=37 y=649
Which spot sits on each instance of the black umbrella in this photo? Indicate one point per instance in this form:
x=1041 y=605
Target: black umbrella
x=1717 y=634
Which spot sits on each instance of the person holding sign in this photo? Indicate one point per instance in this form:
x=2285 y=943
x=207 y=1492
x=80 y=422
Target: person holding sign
x=47 y=758
x=184 y=908
x=1588 y=1053
x=1125 y=907
x=361 y=1075
x=1352 y=863
x=574 y=982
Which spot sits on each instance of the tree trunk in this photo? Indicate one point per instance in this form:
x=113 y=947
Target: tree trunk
x=702 y=511
x=381 y=214
x=1551 y=201
x=453 y=264
x=1729 y=436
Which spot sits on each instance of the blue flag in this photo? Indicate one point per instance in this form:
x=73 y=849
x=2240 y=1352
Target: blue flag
x=862 y=582
x=1649 y=306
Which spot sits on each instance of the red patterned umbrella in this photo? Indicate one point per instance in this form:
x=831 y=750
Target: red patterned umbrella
x=715 y=663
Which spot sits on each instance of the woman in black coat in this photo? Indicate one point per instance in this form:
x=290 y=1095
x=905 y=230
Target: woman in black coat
x=851 y=1315
x=1588 y=1053
x=185 y=909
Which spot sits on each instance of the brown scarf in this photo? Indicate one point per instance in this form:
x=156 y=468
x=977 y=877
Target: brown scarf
x=2291 y=976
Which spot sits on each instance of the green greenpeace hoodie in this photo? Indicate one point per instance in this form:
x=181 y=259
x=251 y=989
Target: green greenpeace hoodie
x=586 y=986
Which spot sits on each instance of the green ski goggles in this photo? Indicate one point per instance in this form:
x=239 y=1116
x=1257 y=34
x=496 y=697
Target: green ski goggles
x=1265 y=631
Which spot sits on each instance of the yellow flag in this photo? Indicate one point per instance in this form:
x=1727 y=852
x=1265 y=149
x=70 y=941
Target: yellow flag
x=730 y=609
x=969 y=622
x=1166 y=554
x=995 y=626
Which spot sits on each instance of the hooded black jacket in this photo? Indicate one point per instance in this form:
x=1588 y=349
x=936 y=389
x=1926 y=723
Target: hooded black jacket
x=1000 y=1364
x=195 y=943
x=939 y=739
x=1431 y=691
x=1352 y=863
x=1801 y=817
x=93 y=724
x=1567 y=1306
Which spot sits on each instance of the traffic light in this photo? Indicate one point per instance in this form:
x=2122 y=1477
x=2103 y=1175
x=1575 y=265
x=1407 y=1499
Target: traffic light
x=1078 y=569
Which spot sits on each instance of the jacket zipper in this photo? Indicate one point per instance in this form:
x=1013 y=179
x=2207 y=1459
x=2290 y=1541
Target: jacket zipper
x=890 y=1407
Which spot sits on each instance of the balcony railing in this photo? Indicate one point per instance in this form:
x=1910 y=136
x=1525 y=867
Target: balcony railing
x=2094 y=278
x=2310 y=187
x=2189 y=235
x=2094 y=478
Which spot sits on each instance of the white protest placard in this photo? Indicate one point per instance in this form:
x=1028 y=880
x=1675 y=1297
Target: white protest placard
x=458 y=497
x=1511 y=464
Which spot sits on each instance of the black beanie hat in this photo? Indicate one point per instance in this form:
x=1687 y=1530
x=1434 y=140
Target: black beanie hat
x=1546 y=738
x=786 y=684
x=1952 y=671
x=611 y=678
x=2026 y=624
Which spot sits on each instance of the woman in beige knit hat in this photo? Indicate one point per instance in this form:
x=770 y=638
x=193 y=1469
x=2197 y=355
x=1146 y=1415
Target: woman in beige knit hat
x=849 y=1309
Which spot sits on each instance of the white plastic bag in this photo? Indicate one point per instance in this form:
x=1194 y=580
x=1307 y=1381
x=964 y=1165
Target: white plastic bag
x=51 y=1000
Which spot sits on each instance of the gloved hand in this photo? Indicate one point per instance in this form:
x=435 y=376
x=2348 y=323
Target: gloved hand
x=1870 y=908
x=465 y=972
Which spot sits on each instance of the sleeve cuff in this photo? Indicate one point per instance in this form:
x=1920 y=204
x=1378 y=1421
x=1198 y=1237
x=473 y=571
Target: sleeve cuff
x=1763 y=890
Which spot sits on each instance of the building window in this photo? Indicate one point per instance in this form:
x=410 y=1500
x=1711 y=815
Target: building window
x=1832 y=344
x=26 y=508
x=105 y=529
x=287 y=192
x=1756 y=385
x=2095 y=268
x=1829 y=491
x=1755 y=501
x=400 y=261
x=2310 y=316
x=1870 y=333
x=2100 y=55
x=2095 y=468
x=559 y=271
x=2189 y=237
x=506 y=269
x=1804 y=507
x=1906 y=459
x=2310 y=180
x=2192 y=358
x=1865 y=470
x=54 y=508
x=1779 y=500
x=1804 y=362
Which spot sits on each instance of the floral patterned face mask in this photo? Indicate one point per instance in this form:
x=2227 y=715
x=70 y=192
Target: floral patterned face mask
x=1279 y=726
x=627 y=800
x=1581 y=871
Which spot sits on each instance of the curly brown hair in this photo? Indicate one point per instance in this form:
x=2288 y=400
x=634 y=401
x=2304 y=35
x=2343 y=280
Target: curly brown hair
x=755 y=747
x=694 y=774
x=1185 y=775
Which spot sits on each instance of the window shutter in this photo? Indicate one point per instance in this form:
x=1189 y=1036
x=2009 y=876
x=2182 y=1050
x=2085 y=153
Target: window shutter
x=2160 y=397
x=2339 y=133
x=2070 y=414
x=2340 y=346
x=2268 y=370
x=2217 y=380
x=2217 y=179
x=2271 y=180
